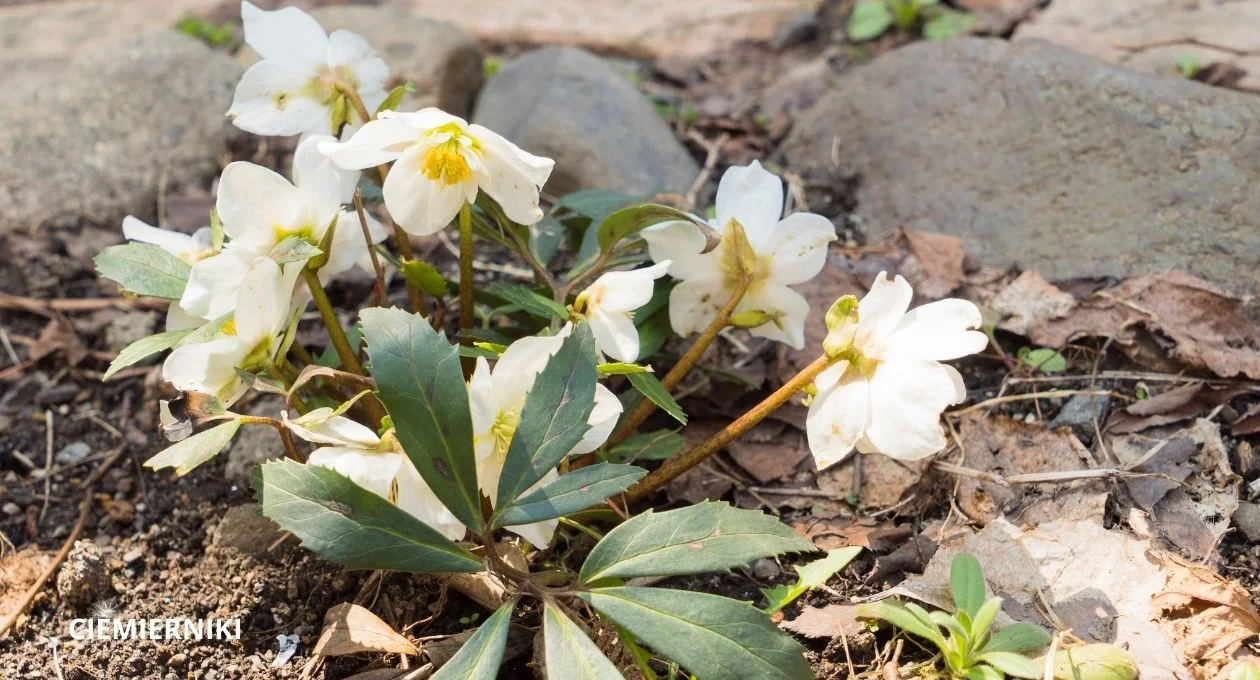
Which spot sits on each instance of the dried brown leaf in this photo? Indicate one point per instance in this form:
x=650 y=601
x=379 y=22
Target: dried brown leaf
x=351 y=629
x=825 y=622
x=1029 y=301
x=1173 y=406
x=769 y=451
x=933 y=264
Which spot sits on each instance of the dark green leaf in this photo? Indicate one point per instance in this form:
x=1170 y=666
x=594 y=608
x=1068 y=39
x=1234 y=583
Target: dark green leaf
x=553 y=419
x=657 y=445
x=653 y=332
x=143 y=269
x=713 y=637
x=966 y=583
x=574 y=491
x=196 y=449
x=629 y=221
x=528 y=300
x=418 y=378
x=345 y=523
x=545 y=237
x=594 y=204
x=692 y=540
x=481 y=656
x=650 y=387
x=569 y=653
x=145 y=347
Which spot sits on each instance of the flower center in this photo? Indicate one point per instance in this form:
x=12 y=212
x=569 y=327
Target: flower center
x=737 y=257
x=445 y=163
x=502 y=431
x=329 y=82
x=229 y=327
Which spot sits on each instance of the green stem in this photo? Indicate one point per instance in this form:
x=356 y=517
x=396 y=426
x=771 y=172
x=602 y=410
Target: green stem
x=349 y=358
x=689 y=459
x=466 y=316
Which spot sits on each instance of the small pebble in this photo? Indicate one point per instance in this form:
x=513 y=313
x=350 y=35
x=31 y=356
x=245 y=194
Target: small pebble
x=132 y=555
x=73 y=452
x=10 y=509
x=766 y=569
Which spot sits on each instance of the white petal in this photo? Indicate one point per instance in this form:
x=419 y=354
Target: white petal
x=626 y=291
x=798 y=250
x=426 y=119
x=907 y=398
x=351 y=49
x=680 y=243
x=173 y=242
x=207 y=367
x=938 y=331
x=316 y=175
x=213 y=283
x=179 y=320
x=615 y=334
x=417 y=499
x=525 y=358
x=418 y=204
x=837 y=419
x=791 y=307
x=263 y=303
x=269 y=100
x=881 y=309
x=373 y=471
x=753 y=196
x=348 y=245
x=602 y=420
x=284 y=33
x=482 y=405
x=513 y=176
x=378 y=142
x=321 y=427
x=253 y=201
x=694 y=303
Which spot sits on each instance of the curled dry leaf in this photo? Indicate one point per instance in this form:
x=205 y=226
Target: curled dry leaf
x=933 y=263
x=1173 y=406
x=769 y=451
x=1028 y=302
x=828 y=532
x=825 y=622
x=351 y=629
x=1209 y=330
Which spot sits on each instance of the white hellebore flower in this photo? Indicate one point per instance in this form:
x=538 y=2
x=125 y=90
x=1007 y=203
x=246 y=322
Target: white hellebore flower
x=609 y=304
x=354 y=451
x=783 y=252
x=298 y=86
x=496 y=399
x=249 y=341
x=260 y=209
x=887 y=393
x=441 y=164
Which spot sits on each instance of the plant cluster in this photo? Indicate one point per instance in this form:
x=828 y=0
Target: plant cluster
x=872 y=18
x=411 y=450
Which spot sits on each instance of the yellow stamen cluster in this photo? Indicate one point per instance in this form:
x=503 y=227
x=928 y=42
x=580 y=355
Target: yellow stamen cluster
x=502 y=431
x=446 y=164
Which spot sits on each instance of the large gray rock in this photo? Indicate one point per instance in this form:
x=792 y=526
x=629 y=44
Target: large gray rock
x=1048 y=159
x=91 y=140
x=440 y=58
x=568 y=104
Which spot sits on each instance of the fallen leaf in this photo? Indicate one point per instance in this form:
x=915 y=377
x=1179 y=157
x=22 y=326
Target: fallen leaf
x=1004 y=446
x=1029 y=301
x=1175 y=405
x=934 y=263
x=1164 y=465
x=1247 y=423
x=59 y=335
x=440 y=650
x=769 y=451
x=351 y=629
x=825 y=622
x=1208 y=615
x=836 y=531
x=1209 y=330
x=884 y=481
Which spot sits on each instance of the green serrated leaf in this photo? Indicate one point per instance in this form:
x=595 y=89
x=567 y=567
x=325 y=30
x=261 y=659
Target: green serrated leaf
x=294 y=249
x=568 y=653
x=143 y=269
x=482 y=654
x=143 y=348
x=553 y=419
x=195 y=450
x=424 y=276
x=713 y=637
x=966 y=583
x=528 y=300
x=622 y=368
x=570 y=493
x=1012 y=664
x=629 y=221
x=812 y=575
x=1017 y=637
x=650 y=387
x=342 y=522
x=868 y=20
x=693 y=540
x=657 y=445
x=419 y=379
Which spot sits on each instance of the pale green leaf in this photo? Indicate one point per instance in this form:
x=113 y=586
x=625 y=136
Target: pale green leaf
x=482 y=654
x=419 y=379
x=294 y=249
x=570 y=493
x=948 y=23
x=713 y=637
x=622 y=368
x=1109 y=662
x=1012 y=664
x=897 y=614
x=143 y=269
x=342 y=522
x=195 y=450
x=812 y=575
x=554 y=417
x=143 y=348
x=1018 y=637
x=424 y=276
x=568 y=653
x=966 y=583
x=869 y=19
x=650 y=387
x=692 y=540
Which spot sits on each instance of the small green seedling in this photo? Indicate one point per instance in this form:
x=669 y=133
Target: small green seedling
x=214 y=35
x=969 y=647
x=872 y=18
x=812 y=575
x=1188 y=66
x=1042 y=360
